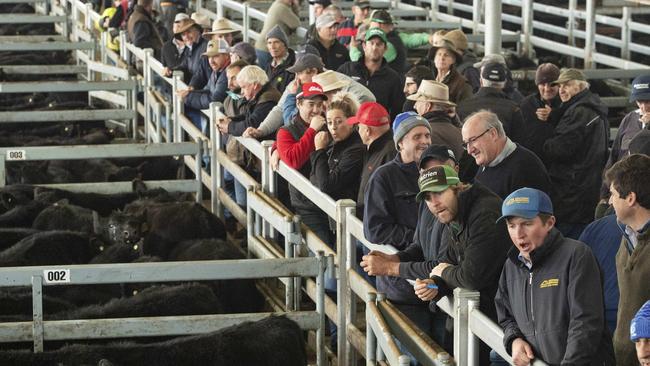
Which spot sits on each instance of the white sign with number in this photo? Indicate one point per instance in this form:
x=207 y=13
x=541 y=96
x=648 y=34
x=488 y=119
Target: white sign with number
x=16 y=155
x=56 y=275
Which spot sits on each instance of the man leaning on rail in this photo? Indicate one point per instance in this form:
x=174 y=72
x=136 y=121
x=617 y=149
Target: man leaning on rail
x=550 y=297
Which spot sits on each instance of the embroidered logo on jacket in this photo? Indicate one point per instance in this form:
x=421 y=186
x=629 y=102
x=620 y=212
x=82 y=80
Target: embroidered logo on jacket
x=550 y=283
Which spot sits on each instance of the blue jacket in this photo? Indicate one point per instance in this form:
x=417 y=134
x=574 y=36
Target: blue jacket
x=213 y=91
x=196 y=68
x=604 y=238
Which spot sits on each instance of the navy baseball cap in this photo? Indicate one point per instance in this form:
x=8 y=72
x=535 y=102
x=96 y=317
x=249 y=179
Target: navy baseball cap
x=494 y=71
x=640 y=88
x=526 y=203
x=437 y=152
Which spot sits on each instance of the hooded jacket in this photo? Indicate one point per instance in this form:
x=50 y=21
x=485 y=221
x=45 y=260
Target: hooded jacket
x=575 y=156
x=557 y=305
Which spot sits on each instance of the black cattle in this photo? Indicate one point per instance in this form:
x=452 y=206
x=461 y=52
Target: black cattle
x=185 y=299
x=273 y=341
x=22 y=215
x=16 y=194
x=65 y=216
x=238 y=296
x=12 y=235
x=16 y=304
x=51 y=248
x=163 y=225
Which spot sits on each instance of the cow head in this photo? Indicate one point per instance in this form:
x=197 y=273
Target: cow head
x=126 y=228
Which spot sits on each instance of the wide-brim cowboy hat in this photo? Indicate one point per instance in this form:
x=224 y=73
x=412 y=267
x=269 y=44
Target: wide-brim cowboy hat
x=329 y=81
x=186 y=24
x=220 y=26
x=432 y=92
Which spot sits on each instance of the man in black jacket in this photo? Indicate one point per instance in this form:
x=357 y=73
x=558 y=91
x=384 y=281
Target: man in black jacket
x=374 y=73
x=141 y=29
x=576 y=153
x=282 y=57
x=477 y=247
x=331 y=51
x=550 y=300
x=490 y=96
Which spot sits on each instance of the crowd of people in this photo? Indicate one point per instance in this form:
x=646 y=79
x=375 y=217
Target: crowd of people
x=477 y=186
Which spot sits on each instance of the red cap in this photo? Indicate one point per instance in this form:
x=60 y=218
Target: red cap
x=311 y=90
x=370 y=114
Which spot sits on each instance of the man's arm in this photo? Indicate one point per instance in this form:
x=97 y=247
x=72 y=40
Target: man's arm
x=273 y=120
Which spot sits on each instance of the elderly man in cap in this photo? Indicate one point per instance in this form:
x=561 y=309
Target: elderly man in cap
x=282 y=57
x=243 y=51
x=373 y=71
x=504 y=166
x=491 y=97
x=576 y=153
x=418 y=259
x=141 y=28
x=318 y=7
x=331 y=51
x=348 y=28
x=391 y=219
x=432 y=102
x=284 y=13
x=221 y=29
x=553 y=281
x=640 y=334
x=630 y=126
x=541 y=110
x=477 y=247
x=630 y=196
x=509 y=90
x=172 y=50
x=218 y=55
x=306 y=67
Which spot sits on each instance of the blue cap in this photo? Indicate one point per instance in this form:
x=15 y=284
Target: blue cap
x=526 y=203
x=640 y=88
x=640 y=324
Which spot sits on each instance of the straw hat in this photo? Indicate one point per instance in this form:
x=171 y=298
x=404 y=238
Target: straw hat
x=446 y=44
x=330 y=81
x=433 y=92
x=201 y=20
x=220 y=26
x=216 y=47
x=186 y=24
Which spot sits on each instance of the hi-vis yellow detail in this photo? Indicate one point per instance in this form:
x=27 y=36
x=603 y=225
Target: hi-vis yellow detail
x=549 y=283
x=514 y=200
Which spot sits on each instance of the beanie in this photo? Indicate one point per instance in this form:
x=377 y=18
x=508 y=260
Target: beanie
x=640 y=325
x=405 y=122
x=546 y=73
x=278 y=33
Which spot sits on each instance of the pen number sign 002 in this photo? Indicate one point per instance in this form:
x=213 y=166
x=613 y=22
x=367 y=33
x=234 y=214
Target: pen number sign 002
x=56 y=275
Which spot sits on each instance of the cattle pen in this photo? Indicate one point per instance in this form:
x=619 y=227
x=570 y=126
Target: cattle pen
x=369 y=326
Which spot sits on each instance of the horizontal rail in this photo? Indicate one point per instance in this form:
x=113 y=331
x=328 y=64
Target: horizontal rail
x=178 y=185
x=77 y=152
x=304 y=186
x=31 y=18
x=46 y=46
x=66 y=116
x=142 y=326
x=65 y=86
x=35 y=38
x=42 y=69
x=93 y=274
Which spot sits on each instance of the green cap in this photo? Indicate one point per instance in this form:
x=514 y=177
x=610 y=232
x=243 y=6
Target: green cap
x=567 y=75
x=376 y=32
x=436 y=179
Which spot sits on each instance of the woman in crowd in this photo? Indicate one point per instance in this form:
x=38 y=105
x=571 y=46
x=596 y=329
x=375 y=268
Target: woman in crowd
x=443 y=57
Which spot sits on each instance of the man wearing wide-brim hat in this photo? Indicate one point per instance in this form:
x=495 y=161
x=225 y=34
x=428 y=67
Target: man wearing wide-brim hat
x=221 y=29
x=630 y=126
x=576 y=153
x=196 y=69
x=432 y=102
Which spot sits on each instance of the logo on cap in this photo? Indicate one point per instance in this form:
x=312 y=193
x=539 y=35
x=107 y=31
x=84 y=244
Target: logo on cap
x=641 y=86
x=315 y=88
x=515 y=200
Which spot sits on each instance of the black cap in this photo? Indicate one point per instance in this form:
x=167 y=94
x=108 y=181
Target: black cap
x=325 y=3
x=494 y=71
x=437 y=152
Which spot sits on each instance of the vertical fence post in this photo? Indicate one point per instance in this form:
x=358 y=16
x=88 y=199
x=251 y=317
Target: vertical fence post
x=148 y=82
x=477 y=7
x=246 y=22
x=297 y=252
x=527 y=19
x=345 y=352
x=176 y=76
x=321 y=358
x=198 y=175
x=88 y=19
x=267 y=178
x=37 y=313
x=220 y=13
x=590 y=34
x=371 y=338
x=288 y=253
x=134 y=105
x=250 y=221
x=492 y=26
x=571 y=26
x=450 y=7
x=215 y=165
x=380 y=352
x=462 y=298
x=626 y=33
x=433 y=13
x=472 y=340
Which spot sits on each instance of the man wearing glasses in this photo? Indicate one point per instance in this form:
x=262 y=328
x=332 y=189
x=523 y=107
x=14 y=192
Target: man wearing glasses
x=504 y=166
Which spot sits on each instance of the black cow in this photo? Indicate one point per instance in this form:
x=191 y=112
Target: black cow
x=22 y=215
x=16 y=304
x=11 y=236
x=51 y=248
x=238 y=296
x=65 y=216
x=273 y=341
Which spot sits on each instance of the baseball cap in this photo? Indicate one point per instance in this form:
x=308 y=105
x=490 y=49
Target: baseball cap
x=437 y=152
x=489 y=58
x=376 y=32
x=362 y=3
x=640 y=324
x=381 y=16
x=494 y=71
x=370 y=114
x=436 y=179
x=325 y=20
x=307 y=61
x=216 y=47
x=311 y=90
x=180 y=17
x=640 y=88
x=567 y=75
x=526 y=203
x=324 y=3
